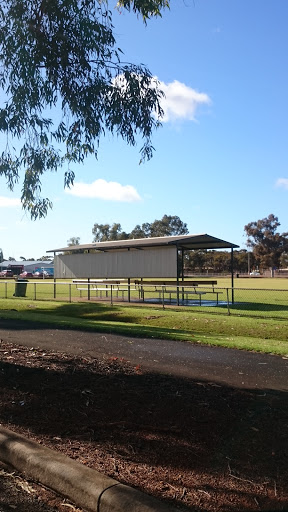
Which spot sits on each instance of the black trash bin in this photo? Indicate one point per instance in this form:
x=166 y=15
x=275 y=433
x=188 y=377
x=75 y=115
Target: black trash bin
x=20 y=287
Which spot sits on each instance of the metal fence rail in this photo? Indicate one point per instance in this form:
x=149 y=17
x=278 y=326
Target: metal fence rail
x=239 y=301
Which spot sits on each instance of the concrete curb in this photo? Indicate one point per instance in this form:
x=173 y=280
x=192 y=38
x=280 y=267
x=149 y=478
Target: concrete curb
x=87 y=488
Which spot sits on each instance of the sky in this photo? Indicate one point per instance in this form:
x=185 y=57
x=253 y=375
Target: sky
x=221 y=155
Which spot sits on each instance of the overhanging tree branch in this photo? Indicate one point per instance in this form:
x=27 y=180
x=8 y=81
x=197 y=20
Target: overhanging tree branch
x=63 y=54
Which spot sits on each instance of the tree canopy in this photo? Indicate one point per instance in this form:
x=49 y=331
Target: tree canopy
x=169 y=225
x=74 y=240
x=65 y=85
x=105 y=232
x=267 y=243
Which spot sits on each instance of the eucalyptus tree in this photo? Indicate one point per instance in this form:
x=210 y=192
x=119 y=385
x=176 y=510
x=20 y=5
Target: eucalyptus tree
x=169 y=225
x=267 y=243
x=74 y=240
x=64 y=84
x=105 y=232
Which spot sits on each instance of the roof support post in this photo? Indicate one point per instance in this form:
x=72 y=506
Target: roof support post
x=178 y=273
x=182 y=272
x=54 y=279
x=232 y=274
x=182 y=263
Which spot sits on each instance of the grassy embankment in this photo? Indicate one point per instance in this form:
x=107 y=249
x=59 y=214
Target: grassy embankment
x=267 y=334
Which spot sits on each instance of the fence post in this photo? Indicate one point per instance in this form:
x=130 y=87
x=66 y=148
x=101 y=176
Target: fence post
x=35 y=291
x=6 y=290
x=129 y=289
x=228 y=307
x=163 y=301
x=70 y=292
x=111 y=298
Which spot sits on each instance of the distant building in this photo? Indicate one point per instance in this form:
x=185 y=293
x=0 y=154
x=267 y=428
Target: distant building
x=29 y=266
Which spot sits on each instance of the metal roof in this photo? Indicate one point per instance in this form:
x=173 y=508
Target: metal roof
x=202 y=241
x=26 y=263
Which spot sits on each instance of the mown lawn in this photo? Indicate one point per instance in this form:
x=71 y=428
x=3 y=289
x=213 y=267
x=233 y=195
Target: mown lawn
x=269 y=335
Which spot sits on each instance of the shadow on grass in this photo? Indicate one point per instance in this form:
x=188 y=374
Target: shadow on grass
x=106 y=321
x=256 y=307
x=223 y=442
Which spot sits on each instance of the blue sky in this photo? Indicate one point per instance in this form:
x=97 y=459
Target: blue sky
x=221 y=156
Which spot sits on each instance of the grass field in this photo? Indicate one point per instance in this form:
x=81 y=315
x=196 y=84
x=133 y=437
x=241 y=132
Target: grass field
x=259 y=325
x=252 y=296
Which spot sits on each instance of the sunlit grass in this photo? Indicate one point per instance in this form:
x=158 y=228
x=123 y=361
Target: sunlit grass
x=185 y=324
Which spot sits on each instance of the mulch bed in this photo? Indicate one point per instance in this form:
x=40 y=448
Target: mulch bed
x=196 y=445
x=20 y=494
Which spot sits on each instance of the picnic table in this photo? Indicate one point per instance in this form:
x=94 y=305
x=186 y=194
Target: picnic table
x=101 y=286
x=185 y=288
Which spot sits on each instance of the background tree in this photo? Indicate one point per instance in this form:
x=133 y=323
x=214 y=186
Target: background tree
x=243 y=261
x=169 y=225
x=57 y=55
x=116 y=233
x=74 y=240
x=195 y=261
x=201 y=261
x=220 y=261
x=140 y=231
x=284 y=260
x=267 y=243
x=1 y=256
x=106 y=233
x=101 y=232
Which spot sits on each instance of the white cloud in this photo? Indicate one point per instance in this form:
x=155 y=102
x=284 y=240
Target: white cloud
x=106 y=190
x=181 y=101
x=9 y=202
x=282 y=182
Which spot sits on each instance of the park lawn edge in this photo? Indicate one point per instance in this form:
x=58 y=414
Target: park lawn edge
x=251 y=344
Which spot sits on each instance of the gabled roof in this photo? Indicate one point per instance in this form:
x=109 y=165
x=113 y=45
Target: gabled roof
x=202 y=241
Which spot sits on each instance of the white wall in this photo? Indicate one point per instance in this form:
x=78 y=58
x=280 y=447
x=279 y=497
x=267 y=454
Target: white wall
x=150 y=262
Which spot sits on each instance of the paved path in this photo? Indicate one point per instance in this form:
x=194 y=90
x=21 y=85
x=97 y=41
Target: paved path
x=229 y=366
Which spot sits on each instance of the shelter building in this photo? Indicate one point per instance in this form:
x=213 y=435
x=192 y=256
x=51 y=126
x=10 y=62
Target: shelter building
x=159 y=257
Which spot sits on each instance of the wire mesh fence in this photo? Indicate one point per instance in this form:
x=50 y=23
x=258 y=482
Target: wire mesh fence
x=241 y=301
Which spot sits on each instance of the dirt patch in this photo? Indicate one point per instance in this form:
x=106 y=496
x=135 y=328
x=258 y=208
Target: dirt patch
x=196 y=445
